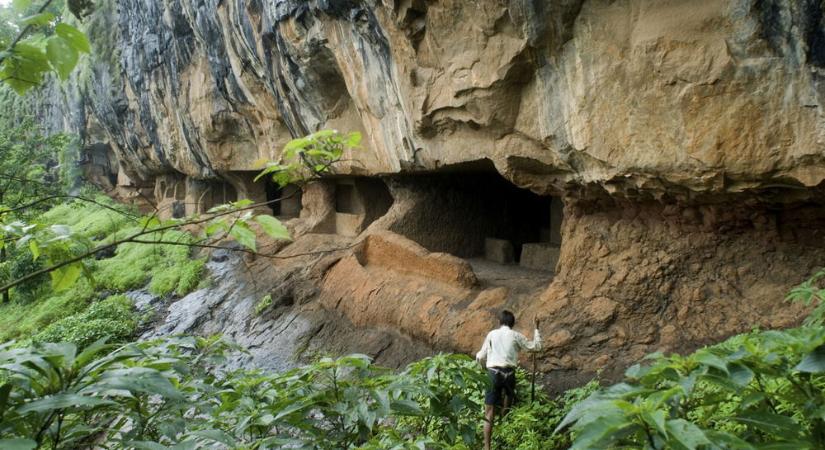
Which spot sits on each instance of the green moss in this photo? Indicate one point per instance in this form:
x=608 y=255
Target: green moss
x=165 y=267
x=181 y=277
x=111 y=318
x=88 y=219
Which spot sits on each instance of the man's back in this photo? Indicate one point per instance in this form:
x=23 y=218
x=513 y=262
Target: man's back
x=501 y=347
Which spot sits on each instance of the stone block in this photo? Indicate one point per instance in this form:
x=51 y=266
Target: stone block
x=348 y=224
x=499 y=250
x=539 y=256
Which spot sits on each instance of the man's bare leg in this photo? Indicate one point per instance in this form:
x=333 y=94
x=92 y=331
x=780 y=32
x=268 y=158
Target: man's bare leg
x=489 y=415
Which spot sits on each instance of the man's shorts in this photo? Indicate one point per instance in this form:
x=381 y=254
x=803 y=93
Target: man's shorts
x=503 y=381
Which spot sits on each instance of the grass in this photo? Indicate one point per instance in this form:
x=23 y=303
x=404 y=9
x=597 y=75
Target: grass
x=71 y=314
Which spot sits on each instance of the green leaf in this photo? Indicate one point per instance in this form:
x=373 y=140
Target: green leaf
x=244 y=236
x=38 y=19
x=62 y=401
x=353 y=139
x=62 y=56
x=775 y=424
x=707 y=358
x=273 y=227
x=214 y=227
x=405 y=407
x=17 y=444
x=813 y=362
x=74 y=37
x=147 y=445
x=216 y=436
x=64 y=277
x=685 y=435
x=34 y=248
x=740 y=374
x=600 y=431
x=731 y=441
x=656 y=420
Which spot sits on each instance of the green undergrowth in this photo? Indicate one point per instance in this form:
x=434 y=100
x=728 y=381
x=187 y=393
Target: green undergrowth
x=112 y=318
x=77 y=314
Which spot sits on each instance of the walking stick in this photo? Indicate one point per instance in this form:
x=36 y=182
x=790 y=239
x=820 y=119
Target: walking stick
x=533 y=378
x=533 y=381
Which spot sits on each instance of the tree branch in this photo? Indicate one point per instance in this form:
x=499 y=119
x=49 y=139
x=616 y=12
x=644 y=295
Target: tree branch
x=133 y=238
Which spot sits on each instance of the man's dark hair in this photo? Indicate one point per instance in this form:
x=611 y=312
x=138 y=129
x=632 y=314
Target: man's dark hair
x=506 y=318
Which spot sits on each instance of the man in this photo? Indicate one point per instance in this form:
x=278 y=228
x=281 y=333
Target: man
x=500 y=349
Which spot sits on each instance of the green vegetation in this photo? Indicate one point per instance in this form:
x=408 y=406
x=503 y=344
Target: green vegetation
x=143 y=396
x=61 y=314
x=764 y=389
x=112 y=319
x=35 y=40
x=530 y=425
x=263 y=304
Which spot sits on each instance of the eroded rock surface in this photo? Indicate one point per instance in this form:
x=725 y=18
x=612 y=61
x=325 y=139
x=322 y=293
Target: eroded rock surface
x=685 y=138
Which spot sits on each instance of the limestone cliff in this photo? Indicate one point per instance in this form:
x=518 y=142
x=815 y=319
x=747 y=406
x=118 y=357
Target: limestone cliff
x=686 y=139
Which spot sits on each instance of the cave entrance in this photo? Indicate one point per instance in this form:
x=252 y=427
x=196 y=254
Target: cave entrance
x=471 y=211
x=359 y=201
x=209 y=194
x=284 y=202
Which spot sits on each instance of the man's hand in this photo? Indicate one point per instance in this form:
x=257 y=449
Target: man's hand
x=536 y=321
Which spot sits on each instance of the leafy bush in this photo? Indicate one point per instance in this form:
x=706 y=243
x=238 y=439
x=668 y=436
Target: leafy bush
x=530 y=425
x=144 y=395
x=112 y=319
x=811 y=292
x=453 y=403
x=767 y=390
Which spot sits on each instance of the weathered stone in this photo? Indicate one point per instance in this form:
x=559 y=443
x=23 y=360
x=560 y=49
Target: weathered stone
x=539 y=256
x=499 y=250
x=559 y=339
x=601 y=309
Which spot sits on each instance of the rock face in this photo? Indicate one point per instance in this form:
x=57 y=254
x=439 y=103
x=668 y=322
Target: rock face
x=686 y=140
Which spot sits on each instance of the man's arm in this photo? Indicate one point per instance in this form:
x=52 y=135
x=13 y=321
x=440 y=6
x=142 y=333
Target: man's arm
x=535 y=344
x=482 y=354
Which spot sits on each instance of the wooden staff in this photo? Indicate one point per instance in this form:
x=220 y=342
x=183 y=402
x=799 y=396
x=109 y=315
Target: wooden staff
x=533 y=378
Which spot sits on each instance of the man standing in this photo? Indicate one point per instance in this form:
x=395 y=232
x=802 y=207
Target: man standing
x=500 y=349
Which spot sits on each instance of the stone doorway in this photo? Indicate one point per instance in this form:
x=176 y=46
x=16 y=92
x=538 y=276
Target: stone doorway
x=475 y=213
x=284 y=202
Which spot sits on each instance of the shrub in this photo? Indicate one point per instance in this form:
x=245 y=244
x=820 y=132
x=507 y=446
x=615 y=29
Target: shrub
x=530 y=425
x=111 y=318
x=769 y=391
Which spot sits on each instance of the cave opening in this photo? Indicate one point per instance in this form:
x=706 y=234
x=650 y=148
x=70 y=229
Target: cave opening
x=285 y=202
x=472 y=212
x=212 y=193
x=359 y=201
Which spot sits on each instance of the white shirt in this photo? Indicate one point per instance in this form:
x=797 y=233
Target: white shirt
x=501 y=347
